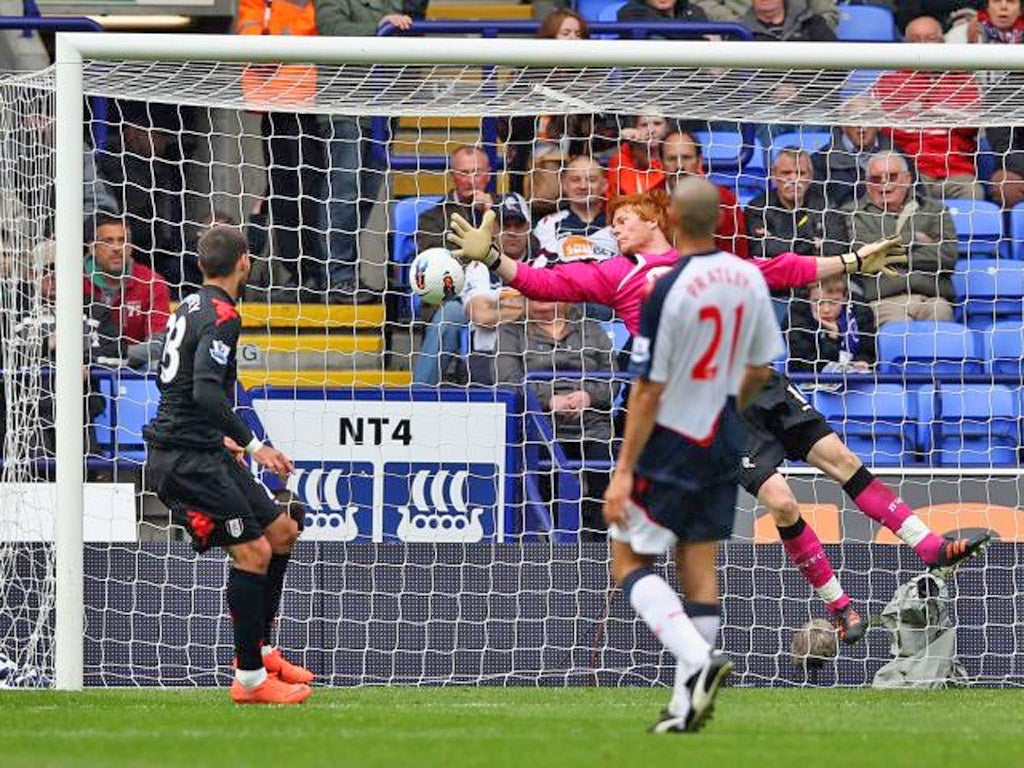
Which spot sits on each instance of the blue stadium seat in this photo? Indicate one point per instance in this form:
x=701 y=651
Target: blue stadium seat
x=746 y=194
x=589 y=9
x=722 y=149
x=809 y=141
x=600 y=11
x=610 y=12
x=745 y=187
x=728 y=180
x=131 y=404
x=404 y=216
x=1016 y=216
x=925 y=347
x=979 y=226
x=989 y=290
x=986 y=160
x=866 y=23
x=620 y=338
x=876 y=421
x=756 y=167
x=978 y=425
x=859 y=82
x=1003 y=348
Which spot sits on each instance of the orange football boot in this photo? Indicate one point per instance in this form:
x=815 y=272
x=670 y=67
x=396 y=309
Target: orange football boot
x=276 y=664
x=271 y=691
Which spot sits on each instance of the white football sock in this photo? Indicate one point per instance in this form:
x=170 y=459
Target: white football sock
x=250 y=678
x=662 y=610
x=708 y=627
x=913 y=531
x=266 y=650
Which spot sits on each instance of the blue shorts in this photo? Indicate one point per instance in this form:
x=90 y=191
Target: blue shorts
x=685 y=489
x=704 y=516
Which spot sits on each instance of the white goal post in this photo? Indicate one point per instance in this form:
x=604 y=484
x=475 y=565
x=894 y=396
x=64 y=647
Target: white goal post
x=75 y=50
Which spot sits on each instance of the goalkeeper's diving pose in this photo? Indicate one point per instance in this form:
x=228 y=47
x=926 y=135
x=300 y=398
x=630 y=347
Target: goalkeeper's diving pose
x=780 y=422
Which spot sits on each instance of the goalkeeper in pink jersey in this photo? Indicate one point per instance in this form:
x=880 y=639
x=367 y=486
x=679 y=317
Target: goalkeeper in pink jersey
x=622 y=282
x=780 y=423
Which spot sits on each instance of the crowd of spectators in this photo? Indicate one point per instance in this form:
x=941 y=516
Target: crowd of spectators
x=868 y=182
x=324 y=176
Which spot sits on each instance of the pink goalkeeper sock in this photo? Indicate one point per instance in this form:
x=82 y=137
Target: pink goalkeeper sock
x=805 y=550
x=878 y=502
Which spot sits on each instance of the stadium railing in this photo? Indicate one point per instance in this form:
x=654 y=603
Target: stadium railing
x=566 y=491
x=33 y=22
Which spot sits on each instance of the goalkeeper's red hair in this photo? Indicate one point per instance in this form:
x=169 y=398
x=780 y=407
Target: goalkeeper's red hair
x=632 y=217
x=649 y=206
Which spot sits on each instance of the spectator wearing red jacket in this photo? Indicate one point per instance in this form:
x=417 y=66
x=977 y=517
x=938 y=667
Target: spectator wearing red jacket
x=1000 y=23
x=682 y=156
x=136 y=296
x=637 y=168
x=944 y=156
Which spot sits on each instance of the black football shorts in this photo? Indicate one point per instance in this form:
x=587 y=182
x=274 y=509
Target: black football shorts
x=215 y=499
x=781 y=424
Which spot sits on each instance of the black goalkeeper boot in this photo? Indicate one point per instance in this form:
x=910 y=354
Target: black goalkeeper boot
x=955 y=551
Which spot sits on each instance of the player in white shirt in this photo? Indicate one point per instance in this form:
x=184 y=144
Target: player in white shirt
x=707 y=331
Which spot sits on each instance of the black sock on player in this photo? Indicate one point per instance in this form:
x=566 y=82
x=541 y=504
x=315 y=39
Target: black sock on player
x=272 y=593
x=246 y=600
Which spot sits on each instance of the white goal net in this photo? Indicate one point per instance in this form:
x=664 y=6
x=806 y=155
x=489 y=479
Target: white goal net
x=452 y=460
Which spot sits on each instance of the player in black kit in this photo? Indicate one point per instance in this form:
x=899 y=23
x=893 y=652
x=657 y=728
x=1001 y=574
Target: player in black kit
x=782 y=424
x=197 y=445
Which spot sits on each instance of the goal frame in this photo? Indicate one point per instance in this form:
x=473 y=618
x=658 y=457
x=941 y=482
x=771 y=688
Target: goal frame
x=73 y=49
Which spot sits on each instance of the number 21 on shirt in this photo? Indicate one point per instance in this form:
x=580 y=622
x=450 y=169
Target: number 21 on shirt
x=706 y=368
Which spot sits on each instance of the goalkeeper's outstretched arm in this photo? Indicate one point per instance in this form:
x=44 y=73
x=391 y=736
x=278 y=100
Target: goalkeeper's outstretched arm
x=477 y=244
x=790 y=270
x=573 y=282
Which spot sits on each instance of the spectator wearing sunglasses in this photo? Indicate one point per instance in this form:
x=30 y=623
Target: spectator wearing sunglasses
x=923 y=288
x=841 y=167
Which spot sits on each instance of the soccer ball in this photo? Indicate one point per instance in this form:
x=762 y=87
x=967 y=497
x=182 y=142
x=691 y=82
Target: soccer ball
x=813 y=644
x=436 y=275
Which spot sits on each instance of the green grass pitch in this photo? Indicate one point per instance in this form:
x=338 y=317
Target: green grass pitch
x=493 y=727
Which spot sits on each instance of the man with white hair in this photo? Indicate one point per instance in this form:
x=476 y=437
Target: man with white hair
x=923 y=289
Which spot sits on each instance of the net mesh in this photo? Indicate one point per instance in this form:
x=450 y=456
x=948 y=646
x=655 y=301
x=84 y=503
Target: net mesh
x=453 y=532
x=813 y=97
x=27 y=578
